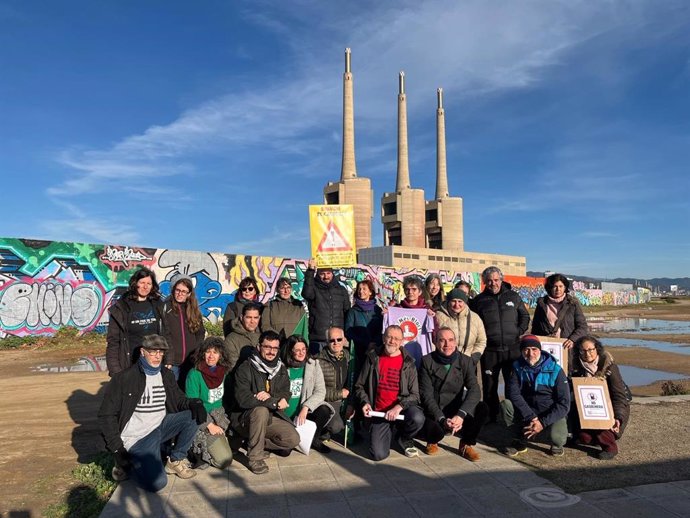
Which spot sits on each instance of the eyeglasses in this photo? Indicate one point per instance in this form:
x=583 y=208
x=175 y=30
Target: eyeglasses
x=269 y=348
x=335 y=340
x=587 y=351
x=247 y=288
x=154 y=352
x=181 y=292
x=299 y=351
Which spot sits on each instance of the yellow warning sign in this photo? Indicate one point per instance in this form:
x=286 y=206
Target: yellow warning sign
x=332 y=235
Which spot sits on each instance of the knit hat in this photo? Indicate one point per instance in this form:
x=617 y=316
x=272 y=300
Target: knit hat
x=529 y=341
x=457 y=293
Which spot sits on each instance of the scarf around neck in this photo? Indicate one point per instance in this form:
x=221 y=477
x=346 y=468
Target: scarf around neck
x=147 y=368
x=442 y=358
x=553 y=306
x=421 y=304
x=269 y=368
x=591 y=367
x=365 y=305
x=213 y=376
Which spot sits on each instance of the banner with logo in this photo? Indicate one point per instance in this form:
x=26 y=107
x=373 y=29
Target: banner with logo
x=417 y=327
x=332 y=229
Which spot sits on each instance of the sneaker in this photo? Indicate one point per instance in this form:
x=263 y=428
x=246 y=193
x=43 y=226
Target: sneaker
x=467 y=452
x=408 y=448
x=181 y=468
x=606 y=455
x=431 y=448
x=118 y=474
x=516 y=448
x=556 y=451
x=319 y=446
x=258 y=467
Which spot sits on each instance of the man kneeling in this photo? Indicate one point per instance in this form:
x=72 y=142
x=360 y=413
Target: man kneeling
x=537 y=399
x=262 y=391
x=388 y=384
x=142 y=409
x=444 y=376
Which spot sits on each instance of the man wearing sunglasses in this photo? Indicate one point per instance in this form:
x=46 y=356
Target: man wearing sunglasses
x=142 y=409
x=262 y=392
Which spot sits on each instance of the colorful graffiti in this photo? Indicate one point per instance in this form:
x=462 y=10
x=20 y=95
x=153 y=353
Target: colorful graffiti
x=45 y=285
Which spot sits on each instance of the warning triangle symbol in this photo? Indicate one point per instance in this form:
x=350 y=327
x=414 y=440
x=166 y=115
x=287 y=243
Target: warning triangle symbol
x=333 y=240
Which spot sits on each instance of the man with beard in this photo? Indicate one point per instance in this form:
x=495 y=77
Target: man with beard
x=327 y=301
x=244 y=336
x=262 y=391
x=388 y=385
x=505 y=320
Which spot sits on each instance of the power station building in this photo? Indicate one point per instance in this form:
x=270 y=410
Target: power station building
x=416 y=233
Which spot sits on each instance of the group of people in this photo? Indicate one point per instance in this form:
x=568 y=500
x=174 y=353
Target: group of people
x=272 y=372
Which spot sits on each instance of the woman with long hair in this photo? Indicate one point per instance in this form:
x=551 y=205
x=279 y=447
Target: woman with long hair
x=248 y=291
x=591 y=360
x=364 y=322
x=137 y=313
x=307 y=390
x=206 y=381
x=434 y=291
x=185 y=325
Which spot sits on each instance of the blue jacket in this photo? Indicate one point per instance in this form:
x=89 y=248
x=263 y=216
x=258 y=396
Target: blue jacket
x=541 y=391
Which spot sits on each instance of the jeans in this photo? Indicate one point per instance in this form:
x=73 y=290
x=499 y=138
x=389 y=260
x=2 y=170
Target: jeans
x=147 y=467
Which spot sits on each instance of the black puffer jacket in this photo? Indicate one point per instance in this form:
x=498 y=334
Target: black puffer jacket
x=118 y=353
x=504 y=315
x=571 y=320
x=328 y=304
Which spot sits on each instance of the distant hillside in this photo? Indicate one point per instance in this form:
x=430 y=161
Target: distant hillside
x=662 y=283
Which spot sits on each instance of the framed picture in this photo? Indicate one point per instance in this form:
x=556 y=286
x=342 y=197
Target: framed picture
x=554 y=346
x=593 y=403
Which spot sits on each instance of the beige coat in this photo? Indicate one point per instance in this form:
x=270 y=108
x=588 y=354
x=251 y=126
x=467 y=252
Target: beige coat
x=458 y=323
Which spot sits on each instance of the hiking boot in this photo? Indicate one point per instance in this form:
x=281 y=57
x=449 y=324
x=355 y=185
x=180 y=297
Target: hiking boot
x=118 y=474
x=181 y=468
x=258 y=467
x=431 y=448
x=606 y=455
x=516 y=448
x=319 y=446
x=466 y=451
x=556 y=451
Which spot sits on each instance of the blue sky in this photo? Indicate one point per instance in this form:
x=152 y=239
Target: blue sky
x=212 y=125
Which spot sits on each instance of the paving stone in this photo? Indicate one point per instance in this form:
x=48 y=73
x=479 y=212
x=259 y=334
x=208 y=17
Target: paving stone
x=317 y=473
x=440 y=504
x=396 y=507
x=470 y=481
x=633 y=508
x=339 y=510
x=272 y=512
x=189 y=504
x=313 y=493
x=257 y=497
x=656 y=490
x=130 y=500
x=353 y=488
x=605 y=494
x=679 y=505
x=683 y=484
x=493 y=501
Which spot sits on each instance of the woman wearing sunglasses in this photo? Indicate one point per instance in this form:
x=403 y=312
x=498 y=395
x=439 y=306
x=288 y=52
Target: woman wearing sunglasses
x=247 y=292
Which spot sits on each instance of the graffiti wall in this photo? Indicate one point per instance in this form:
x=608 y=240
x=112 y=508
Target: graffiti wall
x=45 y=285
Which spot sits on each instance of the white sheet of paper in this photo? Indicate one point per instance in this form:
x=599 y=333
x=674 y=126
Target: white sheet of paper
x=593 y=402
x=374 y=413
x=306 y=435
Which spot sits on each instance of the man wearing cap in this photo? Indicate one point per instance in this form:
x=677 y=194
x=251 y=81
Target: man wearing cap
x=505 y=320
x=144 y=408
x=328 y=302
x=537 y=399
x=466 y=325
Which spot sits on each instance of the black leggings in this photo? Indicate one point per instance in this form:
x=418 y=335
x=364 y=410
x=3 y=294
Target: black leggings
x=494 y=363
x=321 y=415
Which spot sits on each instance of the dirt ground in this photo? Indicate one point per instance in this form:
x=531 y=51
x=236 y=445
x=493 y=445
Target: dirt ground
x=56 y=425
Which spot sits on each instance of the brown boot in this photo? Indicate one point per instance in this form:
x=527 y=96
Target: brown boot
x=466 y=451
x=431 y=448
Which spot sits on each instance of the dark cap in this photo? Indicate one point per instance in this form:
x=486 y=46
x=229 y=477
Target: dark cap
x=457 y=293
x=529 y=341
x=154 y=342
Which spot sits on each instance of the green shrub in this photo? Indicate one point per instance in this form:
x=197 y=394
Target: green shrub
x=213 y=329
x=673 y=388
x=67 y=332
x=13 y=342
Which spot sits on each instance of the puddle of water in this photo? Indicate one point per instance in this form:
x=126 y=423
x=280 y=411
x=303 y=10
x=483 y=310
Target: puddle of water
x=83 y=364
x=639 y=325
x=651 y=344
x=635 y=376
